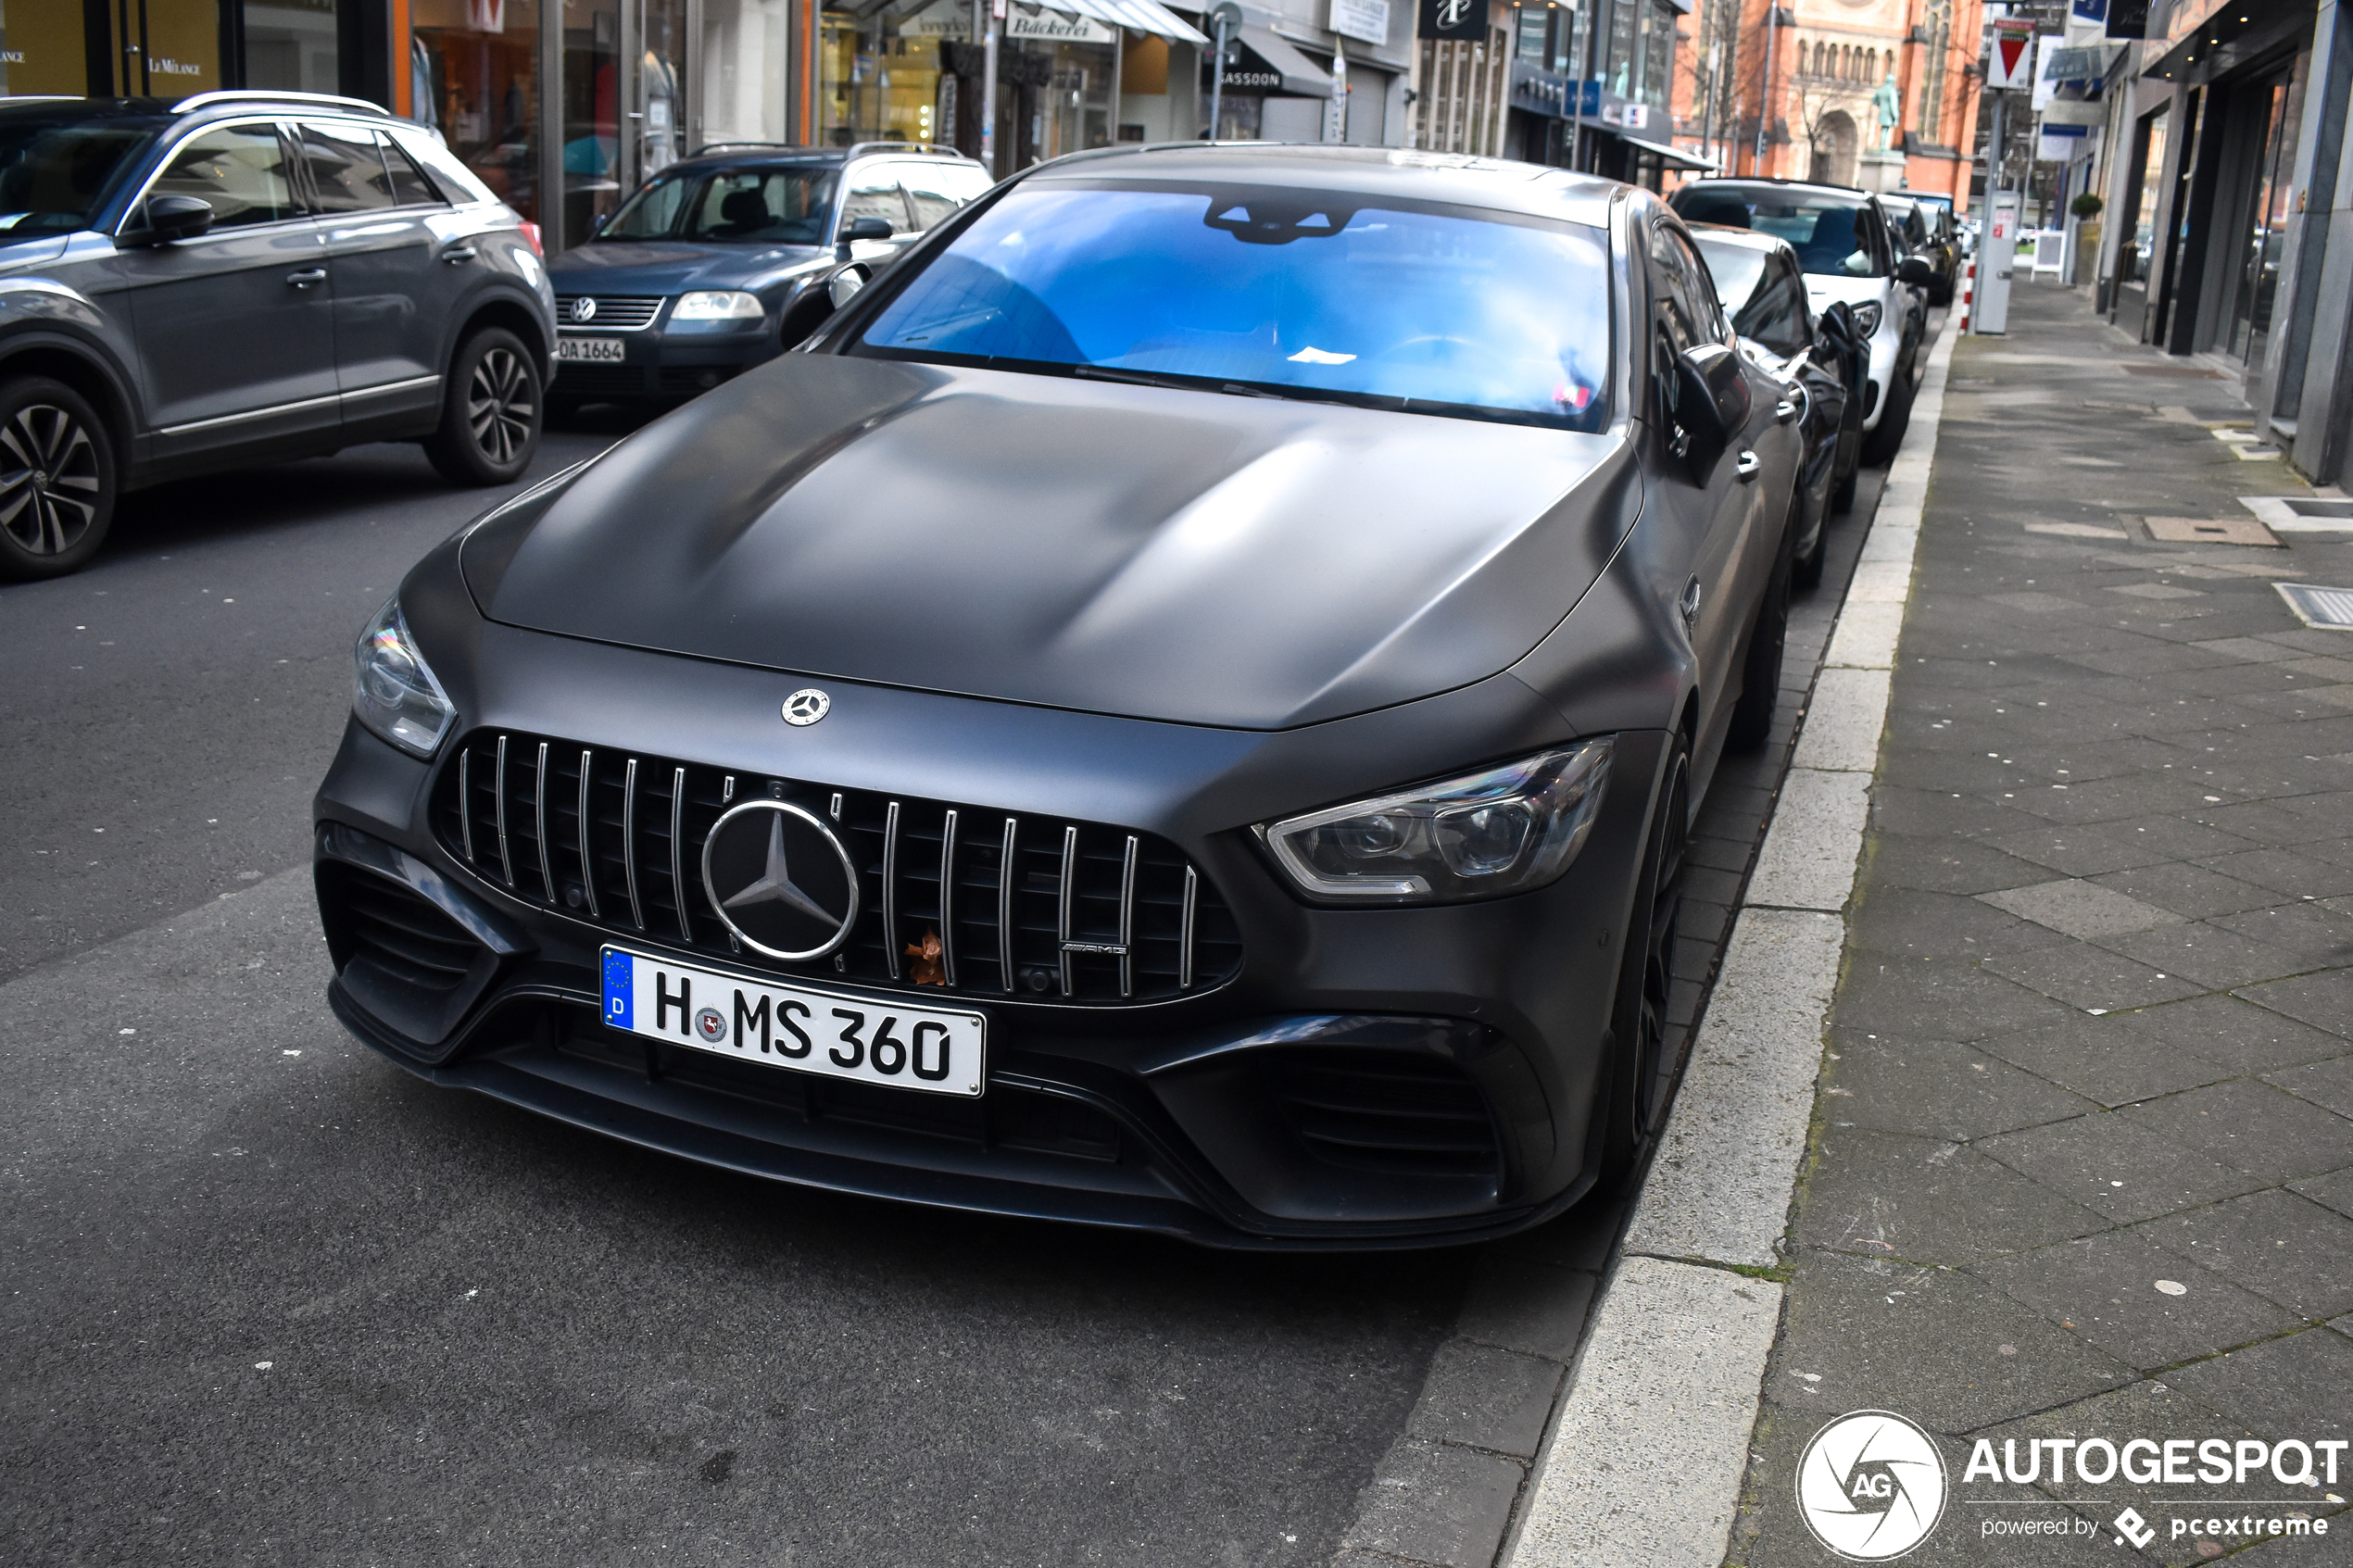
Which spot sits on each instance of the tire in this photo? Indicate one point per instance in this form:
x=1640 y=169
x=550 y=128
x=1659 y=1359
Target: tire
x=1761 y=663
x=1642 y=1072
x=1879 y=445
x=1842 y=493
x=493 y=406
x=1805 y=572
x=57 y=480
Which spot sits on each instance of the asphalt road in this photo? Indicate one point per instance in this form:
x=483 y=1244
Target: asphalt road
x=267 y=1299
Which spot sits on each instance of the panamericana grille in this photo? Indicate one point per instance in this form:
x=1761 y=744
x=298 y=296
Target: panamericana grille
x=1023 y=906
x=576 y=376
x=616 y=312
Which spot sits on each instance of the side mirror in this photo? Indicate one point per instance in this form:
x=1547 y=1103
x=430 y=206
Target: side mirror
x=167 y=218
x=1916 y=270
x=1708 y=406
x=843 y=286
x=866 y=228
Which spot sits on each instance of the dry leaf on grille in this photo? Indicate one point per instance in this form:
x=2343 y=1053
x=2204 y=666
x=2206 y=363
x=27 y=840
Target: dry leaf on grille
x=927 y=970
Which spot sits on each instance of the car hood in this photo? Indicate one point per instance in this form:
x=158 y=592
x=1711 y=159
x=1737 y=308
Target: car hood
x=1161 y=554
x=628 y=267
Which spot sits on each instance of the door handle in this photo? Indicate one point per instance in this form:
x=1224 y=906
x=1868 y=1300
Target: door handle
x=1688 y=605
x=1749 y=467
x=457 y=252
x=307 y=277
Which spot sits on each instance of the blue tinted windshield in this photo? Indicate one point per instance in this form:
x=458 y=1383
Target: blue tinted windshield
x=1351 y=297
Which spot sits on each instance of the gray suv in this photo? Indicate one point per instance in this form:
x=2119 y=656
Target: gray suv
x=243 y=277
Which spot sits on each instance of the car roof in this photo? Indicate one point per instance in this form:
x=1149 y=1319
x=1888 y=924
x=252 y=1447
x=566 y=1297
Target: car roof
x=1527 y=188
x=782 y=155
x=1823 y=186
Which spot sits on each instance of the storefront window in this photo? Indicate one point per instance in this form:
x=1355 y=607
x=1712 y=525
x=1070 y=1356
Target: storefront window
x=291 y=43
x=1655 y=55
x=660 y=97
x=167 y=48
x=591 y=135
x=1622 y=23
x=2133 y=257
x=45 y=53
x=879 y=81
x=475 y=70
x=747 y=52
x=1530 y=34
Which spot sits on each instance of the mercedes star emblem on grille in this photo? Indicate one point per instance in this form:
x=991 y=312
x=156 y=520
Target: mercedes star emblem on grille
x=584 y=310
x=806 y=707
x=781 y=880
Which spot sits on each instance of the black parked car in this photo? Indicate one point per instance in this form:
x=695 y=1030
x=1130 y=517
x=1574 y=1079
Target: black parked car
x=735 y=254
x=1823 y=366
x=239 y=278
x=1926 y=230
x=1180 y=709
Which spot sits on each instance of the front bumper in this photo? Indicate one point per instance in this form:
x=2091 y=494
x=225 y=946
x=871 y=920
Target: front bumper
x=1283 y=1106
x=666 y=359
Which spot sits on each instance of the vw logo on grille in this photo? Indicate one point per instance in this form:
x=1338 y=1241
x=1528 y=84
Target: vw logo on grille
x=584 y=310
x=781 y=880
x=806 y=707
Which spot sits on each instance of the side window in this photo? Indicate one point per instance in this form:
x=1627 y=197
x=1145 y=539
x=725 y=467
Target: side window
x=1675 y=297
x=347 y=168
x=874 y=193
x=937 y=189
x=1713 y=327
x=1776 y=314
x=240 y=171
x=409 y=186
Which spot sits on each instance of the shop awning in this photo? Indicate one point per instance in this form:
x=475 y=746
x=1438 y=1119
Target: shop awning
x=1673 y=157
x=1136 y=15
x=1270 y=64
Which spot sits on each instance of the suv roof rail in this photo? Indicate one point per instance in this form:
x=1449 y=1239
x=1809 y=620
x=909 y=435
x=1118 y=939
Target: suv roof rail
x=931 y=149
x=266 y=96
x=775 y=147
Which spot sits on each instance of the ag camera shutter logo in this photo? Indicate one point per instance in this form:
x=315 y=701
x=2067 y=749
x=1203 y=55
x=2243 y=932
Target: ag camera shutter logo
x=1871 y=1485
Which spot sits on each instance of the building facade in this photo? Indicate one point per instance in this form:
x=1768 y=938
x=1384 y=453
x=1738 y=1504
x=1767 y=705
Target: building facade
x=2227 y=233
x=563 y=106
x=1879 y=94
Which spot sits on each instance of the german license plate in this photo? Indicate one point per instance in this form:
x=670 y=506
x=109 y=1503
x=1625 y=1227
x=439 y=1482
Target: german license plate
x=589 y=350
x=931 y=1049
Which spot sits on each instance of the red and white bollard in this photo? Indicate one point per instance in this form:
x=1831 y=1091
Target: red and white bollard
x=1969 y=291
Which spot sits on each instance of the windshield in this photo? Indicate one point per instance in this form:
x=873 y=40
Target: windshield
x=1327 y=294
x=1830 y=231
x=53 y=175
x=772 y=207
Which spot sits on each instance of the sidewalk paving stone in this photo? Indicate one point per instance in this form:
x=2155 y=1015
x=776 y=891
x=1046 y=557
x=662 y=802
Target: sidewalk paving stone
x=2094 y=1026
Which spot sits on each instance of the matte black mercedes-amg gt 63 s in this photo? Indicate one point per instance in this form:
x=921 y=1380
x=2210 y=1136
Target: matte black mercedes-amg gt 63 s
x=1179 y=709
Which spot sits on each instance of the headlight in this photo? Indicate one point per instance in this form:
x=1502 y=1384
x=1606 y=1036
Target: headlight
x=718 y=305
x=1866 y=318
x=395 y=696
x=1501 y=830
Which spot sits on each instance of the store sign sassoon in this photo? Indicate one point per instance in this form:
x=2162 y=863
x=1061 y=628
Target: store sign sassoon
x=1365 y=19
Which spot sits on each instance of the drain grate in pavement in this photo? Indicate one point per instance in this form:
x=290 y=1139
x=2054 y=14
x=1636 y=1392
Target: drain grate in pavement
x=2319 y=608
x=2209 y=531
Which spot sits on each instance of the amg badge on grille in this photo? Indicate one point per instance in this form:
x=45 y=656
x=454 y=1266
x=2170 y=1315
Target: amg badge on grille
x=781 y=880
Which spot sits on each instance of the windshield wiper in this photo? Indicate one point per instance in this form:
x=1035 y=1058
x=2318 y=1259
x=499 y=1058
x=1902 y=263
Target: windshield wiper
x=1190 y=383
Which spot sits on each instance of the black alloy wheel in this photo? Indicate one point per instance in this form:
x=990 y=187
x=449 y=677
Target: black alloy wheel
x=57 y=480
x=1642 y=1065
x=1761 y=664
x=493 y=408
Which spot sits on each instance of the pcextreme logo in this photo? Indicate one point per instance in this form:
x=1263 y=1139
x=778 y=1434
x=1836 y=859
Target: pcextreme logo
x=1870 y=1485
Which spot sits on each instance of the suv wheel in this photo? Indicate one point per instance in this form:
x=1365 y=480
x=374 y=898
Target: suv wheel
x=492 y=408
x=57 y=480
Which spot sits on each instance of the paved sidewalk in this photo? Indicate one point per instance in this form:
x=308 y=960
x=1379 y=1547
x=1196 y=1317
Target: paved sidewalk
x=2082 y=1160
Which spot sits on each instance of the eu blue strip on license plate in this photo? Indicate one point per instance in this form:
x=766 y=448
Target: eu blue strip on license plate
x=935 y=1050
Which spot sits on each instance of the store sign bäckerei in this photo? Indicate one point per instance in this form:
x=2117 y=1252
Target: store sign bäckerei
x=952 y=19
x=1367 y=20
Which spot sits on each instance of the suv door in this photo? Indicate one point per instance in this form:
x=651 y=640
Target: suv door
x=1720 y=513
x=937 y=189
x=395 y=280
x=234 y=328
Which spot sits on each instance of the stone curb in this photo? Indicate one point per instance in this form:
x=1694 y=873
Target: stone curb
x=1651 y=1441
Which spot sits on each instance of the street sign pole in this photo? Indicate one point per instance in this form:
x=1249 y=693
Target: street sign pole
x=1227 y=20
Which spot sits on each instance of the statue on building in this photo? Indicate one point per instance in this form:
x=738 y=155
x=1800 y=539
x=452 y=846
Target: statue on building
x=1888 y=104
